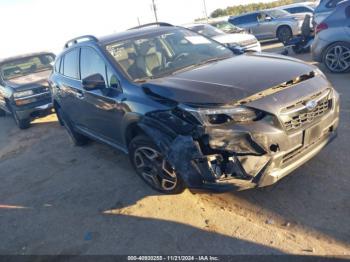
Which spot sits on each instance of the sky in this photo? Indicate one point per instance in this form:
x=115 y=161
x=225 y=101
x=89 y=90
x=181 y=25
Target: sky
x=45 y=25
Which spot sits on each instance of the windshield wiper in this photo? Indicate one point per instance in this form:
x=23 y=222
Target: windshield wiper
x=144 y=79
x=182 y=69
x=208 y=61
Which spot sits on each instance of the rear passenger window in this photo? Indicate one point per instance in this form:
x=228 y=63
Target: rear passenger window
x=70 y=67
x=91 y=63
x=295 y=10
x=252 y=18
x=57 y=65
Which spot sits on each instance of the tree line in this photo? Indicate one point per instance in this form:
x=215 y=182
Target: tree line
x=241 y=9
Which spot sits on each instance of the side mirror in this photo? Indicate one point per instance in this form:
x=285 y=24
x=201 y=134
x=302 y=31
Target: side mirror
x=268 y=19
x=94 y=82
x=237 y=50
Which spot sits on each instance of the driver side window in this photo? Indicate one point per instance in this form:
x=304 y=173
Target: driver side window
x=91 y=63
x=262 y=17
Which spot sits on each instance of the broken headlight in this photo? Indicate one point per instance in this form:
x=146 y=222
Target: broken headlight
x=219 y=116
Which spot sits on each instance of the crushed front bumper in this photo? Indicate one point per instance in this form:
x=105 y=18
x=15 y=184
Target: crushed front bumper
x=37 y=110
x=284 y=152
x=237 y=157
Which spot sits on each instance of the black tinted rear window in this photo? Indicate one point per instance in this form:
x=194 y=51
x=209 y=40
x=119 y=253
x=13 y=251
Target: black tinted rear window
x=295 y=10
x=246 y=19
x=70 y=68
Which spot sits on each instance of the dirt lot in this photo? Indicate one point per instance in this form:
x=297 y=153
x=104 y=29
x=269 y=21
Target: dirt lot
x=58 y=199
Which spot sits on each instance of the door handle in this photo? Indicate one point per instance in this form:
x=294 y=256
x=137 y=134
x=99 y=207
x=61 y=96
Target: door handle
x=79 y=94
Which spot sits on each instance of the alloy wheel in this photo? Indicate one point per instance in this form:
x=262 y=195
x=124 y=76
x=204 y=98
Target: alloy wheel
x=338 y=58
x=155 y=169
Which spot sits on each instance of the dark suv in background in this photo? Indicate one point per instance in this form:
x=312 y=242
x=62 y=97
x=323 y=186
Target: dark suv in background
x=189 y=111
x=24 y=88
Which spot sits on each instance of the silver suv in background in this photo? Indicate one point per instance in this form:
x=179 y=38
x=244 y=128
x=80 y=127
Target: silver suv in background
x=332 y=42
x=299 y=8
x=269 y=24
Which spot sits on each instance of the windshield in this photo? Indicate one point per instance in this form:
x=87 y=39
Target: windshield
x=26 y=66
x=225 y=26
x=165 y=53
x=276 y=13
x=207 y=30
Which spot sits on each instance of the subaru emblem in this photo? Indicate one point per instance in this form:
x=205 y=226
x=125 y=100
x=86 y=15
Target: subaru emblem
x=311 y=105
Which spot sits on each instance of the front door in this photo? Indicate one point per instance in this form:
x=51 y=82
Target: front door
x=102 y=109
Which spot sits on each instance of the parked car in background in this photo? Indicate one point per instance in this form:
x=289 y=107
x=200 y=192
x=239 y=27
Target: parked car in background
x=324 y=9
x=227 y=27
x=24 y=88
x=299 y=8
x=246 y=41
x=269 y=24
x=189 y=112
x=332 y=41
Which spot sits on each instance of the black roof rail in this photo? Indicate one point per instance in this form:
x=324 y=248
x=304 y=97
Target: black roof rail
x=151 y=24
x=75 y=41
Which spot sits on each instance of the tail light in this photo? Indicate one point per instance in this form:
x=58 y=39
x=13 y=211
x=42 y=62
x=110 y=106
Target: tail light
x=321 y=27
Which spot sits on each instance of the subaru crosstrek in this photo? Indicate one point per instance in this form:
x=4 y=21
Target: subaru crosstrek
x=24 y=88
x=190 y=112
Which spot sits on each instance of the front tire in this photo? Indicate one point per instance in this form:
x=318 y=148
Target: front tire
x=151 y=166
x=21 y=123
x=76 y=138
x=284 y=34
x=337 y=57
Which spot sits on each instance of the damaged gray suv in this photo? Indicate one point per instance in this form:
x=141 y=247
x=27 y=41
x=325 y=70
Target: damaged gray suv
x=191 y=113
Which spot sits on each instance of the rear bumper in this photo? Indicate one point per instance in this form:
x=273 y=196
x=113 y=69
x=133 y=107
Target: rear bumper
x=317 y=49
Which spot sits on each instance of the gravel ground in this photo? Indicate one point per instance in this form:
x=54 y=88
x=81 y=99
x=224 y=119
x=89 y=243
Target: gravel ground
x=60 y=199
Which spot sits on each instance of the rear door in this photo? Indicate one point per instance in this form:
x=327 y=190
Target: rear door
x=69 y=85
x=249 y=22
x=102 y=110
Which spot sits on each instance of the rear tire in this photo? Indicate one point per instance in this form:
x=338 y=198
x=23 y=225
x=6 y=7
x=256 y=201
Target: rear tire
x=284 y=34
x=76 y=138
x=151 y=166
x=337 y=57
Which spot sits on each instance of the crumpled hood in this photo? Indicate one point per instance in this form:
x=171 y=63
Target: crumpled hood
x=233 y=38
x=38 y=78
x=229 y=80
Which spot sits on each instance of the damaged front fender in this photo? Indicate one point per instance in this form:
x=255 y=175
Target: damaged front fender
x=207 y=159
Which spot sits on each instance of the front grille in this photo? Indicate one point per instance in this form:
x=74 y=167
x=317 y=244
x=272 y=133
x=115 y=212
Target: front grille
x=298 y=115
x=41 y=89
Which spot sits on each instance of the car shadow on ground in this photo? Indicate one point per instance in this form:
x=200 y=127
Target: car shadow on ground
x=78 y=233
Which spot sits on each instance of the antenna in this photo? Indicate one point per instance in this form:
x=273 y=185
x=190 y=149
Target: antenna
x=155 y=10
x=205 y=9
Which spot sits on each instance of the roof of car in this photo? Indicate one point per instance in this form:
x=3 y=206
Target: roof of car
x=134 y=33
x=12 y=58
